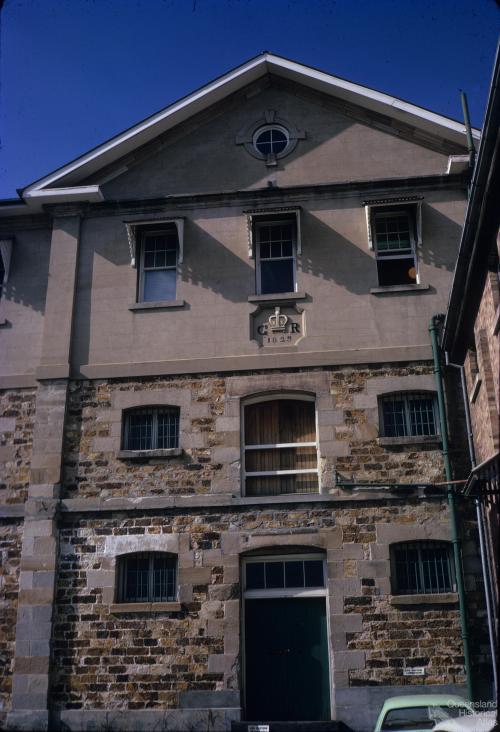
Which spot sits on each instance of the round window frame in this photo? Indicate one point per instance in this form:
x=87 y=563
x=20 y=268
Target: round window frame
x=265 y=128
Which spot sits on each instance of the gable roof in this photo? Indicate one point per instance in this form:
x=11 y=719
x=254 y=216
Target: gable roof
x=199 y=100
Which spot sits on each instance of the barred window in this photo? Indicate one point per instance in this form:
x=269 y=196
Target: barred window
x=421 y=567
x=280 y=448
x=151 y=428
x=147 y=577
x=409 y=414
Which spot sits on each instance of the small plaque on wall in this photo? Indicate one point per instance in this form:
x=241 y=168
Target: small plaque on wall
x=278 y=325
x=413 y=671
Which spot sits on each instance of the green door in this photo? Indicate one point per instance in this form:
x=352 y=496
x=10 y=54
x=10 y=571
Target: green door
x=286 y=660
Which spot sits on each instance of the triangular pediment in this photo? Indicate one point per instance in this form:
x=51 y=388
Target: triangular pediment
x=399 y=117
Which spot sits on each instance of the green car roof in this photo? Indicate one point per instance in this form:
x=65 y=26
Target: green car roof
x=423 y=700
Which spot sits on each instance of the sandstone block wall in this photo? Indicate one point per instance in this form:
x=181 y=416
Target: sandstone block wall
x=17 y=415
x=11 y=533
x=140 y=660
x=210 y=422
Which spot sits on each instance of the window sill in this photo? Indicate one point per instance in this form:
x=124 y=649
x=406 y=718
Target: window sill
x=157 y=305
x=146 y=454
x=420 y=440
x=444 y=598
x=279 y=297
x=145 y=607
x=387 y=289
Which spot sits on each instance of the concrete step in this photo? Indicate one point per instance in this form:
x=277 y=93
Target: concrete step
x=263 y=726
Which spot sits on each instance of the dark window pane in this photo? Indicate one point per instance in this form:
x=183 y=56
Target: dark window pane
x=313 y=570
x=159 y=285
x=147 y=577
x=255 y=576
x=136 y=578
x=421 y=414
x=140 y=432
x=168 y=429
x=274 y=575
x=294 y=574
x=396 y=271
x=277 y=276
x=394 y=417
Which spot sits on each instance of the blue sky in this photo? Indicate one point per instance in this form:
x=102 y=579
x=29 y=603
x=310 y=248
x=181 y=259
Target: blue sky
x=75 y=72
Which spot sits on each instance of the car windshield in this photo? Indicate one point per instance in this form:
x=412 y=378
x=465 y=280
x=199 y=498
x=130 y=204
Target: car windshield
x=419 y=718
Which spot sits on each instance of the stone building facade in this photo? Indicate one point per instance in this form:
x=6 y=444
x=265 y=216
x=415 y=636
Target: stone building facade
x=266 y=461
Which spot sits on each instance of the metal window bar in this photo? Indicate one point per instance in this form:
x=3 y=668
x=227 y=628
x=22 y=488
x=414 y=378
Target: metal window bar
x=409 y=414
x=422 y=567
x=151 y=429
x=147 y=577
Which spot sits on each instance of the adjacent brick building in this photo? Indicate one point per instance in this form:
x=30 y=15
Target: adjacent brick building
x=222 y=486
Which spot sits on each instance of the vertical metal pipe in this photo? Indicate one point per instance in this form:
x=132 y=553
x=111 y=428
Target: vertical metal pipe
x=468 y=129
x=487 y=594
x=485 y=559
x=451 y=503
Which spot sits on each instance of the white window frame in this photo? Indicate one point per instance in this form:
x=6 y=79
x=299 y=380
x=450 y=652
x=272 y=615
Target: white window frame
x=137 y=226
x=142 y=269
x=262 y=223
x=269 y=398
x=154 y=426
x=404 y=396
x=411 y=251
x=406 y=202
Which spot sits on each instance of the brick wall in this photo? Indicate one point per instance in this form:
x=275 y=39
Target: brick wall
x=483 y=384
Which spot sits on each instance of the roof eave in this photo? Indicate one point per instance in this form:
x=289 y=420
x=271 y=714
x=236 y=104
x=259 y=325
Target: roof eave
x=232 y=81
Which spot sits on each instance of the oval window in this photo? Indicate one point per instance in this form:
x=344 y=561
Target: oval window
x=270 y=140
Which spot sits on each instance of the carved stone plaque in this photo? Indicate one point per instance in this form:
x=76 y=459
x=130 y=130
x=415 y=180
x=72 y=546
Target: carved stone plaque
x=274 y=326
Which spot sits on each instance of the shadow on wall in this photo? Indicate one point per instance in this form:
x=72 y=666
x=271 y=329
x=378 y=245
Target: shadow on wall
x=29 y=270
x=201 y=154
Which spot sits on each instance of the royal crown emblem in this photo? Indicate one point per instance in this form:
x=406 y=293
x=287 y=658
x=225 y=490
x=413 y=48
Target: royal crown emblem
x=278 y=321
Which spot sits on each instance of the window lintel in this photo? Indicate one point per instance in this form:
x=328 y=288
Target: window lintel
x=136 y=226
x=402 y=201
x=259 y=214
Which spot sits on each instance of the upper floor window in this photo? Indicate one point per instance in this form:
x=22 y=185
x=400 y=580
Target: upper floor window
x=421 y=567
x=408 y=414
x=276 y=254
x=151 y=428
x=147 y=577
x=158 y=264
x=394 y=234
x=280 y=447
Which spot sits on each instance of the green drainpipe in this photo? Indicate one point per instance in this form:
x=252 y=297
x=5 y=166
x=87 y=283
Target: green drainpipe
x=451 y=501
